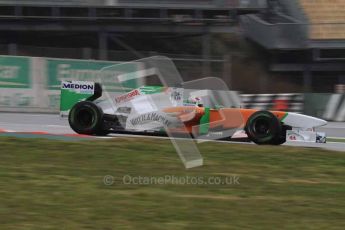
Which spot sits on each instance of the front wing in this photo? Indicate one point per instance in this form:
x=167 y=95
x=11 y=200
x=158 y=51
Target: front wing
x=295 y=135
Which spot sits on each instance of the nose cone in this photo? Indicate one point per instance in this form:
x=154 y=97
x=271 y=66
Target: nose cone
x=317 y=122
x=323 y=122
x=303 y=121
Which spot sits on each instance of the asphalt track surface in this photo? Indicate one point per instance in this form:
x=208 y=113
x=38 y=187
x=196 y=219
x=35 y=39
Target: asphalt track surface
x=53 y=124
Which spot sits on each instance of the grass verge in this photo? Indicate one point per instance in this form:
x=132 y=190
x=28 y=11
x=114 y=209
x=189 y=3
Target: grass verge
x=48 y=184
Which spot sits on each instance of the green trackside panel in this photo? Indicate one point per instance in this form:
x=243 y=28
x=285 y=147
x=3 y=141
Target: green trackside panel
x=73 y=92
x=151 y=89
x=72 y=70
x=15 y=72
x=205 y=122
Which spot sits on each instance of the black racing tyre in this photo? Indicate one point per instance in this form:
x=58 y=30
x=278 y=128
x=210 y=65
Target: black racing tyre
x=278 y=141
x=282 y=138
x=86 y=118
x=263 y=127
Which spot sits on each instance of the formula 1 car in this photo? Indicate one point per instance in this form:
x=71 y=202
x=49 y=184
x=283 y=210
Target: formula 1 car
x=154 y=110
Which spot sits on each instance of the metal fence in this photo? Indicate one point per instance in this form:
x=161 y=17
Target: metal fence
x=143 y=3
x=293 y=34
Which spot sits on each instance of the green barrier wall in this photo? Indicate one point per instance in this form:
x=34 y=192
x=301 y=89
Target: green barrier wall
x=32 y=84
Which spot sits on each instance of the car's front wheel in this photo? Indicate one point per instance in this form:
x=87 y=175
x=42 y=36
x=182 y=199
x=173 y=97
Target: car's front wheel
x=263 y=127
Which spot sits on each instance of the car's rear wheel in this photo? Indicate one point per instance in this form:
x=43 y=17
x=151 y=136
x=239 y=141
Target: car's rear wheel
x=87 y=118
x=263 y=127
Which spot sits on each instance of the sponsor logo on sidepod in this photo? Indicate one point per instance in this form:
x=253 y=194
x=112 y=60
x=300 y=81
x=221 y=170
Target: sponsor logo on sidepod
x=78 y=86
x=142 y=119
x=127 y=97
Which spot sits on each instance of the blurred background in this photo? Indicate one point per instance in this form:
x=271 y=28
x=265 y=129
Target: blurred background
x=278 y=54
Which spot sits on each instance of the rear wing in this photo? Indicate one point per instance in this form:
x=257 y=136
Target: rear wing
x=73 y=92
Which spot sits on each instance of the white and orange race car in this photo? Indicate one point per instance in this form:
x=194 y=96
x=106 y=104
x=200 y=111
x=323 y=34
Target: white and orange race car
x=156 y=110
